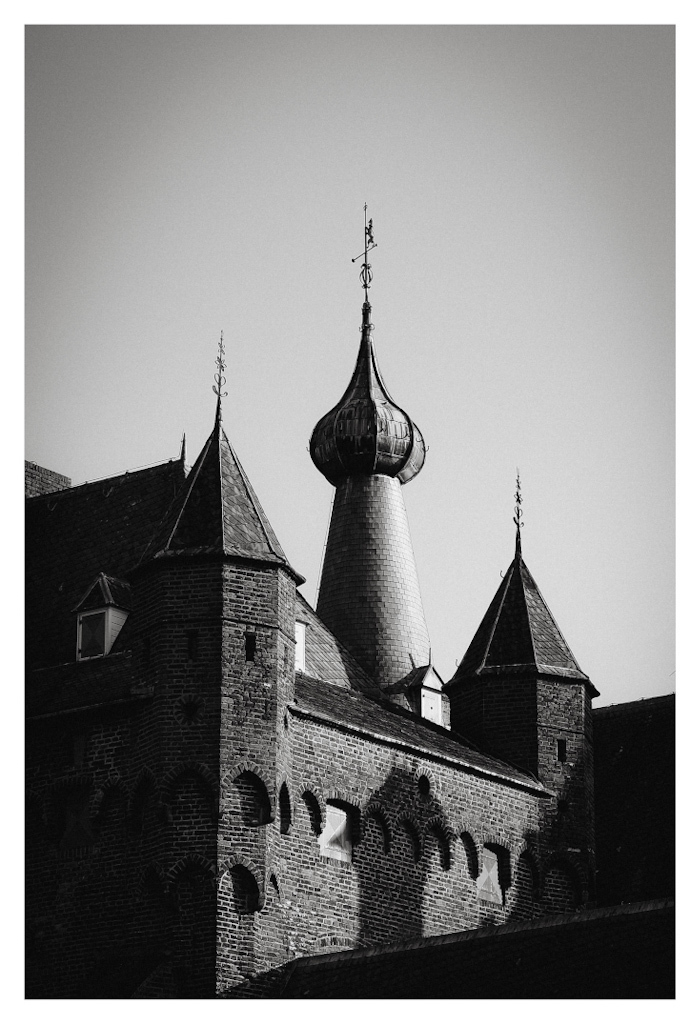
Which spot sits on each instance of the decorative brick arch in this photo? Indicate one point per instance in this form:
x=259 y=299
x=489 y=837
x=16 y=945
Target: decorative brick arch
x=307 y=786
x=198 y=771
x=100 y=799
x=171 y=778
x=239 y=861
x=445 y=837
x=190 y=862
x=573 y=866
x=231 y=774
x=405 y=820
x=466 y=839
x=376 y=810
x=433 y=786
x=329 y=942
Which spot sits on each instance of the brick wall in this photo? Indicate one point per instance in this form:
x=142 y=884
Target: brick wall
x=38 y=480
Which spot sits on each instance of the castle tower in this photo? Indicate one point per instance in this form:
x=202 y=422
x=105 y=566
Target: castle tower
x=215 y=601
x=368 y=447
x=520 y=694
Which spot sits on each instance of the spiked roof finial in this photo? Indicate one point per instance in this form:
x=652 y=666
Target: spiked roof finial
x=219 y=379
x=518 y=517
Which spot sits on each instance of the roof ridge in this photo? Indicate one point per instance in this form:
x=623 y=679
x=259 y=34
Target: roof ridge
x=505 y=584
x=253 y=498
x=191 y=480
x=519 y=559
x=103 y=479
x=554 y=621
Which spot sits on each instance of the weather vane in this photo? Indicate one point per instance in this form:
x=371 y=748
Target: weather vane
x=219 y=379
x=366 y=272
x=518 y=509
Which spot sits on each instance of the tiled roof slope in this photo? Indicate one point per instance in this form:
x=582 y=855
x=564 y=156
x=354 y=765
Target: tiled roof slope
x=218 y=512
x=387 y=723
x=326 y=658
x=518 y=634
x=634 y=764
x=73 y=535
x=616 y=953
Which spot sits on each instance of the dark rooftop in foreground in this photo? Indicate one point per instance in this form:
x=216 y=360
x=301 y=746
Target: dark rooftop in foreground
x=622 y=952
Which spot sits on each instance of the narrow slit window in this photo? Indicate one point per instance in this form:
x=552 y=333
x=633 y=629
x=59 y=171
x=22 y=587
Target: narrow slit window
x=192 y=645
x=250 y=647
x=561 y=750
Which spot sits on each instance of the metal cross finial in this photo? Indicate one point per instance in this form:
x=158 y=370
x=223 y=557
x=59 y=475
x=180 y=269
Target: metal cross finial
x=219 y=379
x=366 y=272
x=518 y=517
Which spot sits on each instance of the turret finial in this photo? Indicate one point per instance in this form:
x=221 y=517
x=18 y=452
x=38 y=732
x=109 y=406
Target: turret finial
x=518 y=517
x=366 y=272
x=219 y=379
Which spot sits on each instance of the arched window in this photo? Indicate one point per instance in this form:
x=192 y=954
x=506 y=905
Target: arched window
x=246 y=895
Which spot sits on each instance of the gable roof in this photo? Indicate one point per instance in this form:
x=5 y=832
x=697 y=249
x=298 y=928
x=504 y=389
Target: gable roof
x=518 y=634
x=218 y=511
x=73 y=535
x=106 y=591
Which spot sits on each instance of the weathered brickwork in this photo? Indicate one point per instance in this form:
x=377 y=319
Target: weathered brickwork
x=369 y=595
x=38 y=480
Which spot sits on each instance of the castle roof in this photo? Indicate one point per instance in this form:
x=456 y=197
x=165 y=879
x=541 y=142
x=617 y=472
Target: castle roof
x=383 y=722
x=218 y=511
x=75 y=534
x=518 y=634
x=367 y=432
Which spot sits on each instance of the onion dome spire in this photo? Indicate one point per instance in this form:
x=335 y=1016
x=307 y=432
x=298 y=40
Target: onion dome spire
x=367 y=433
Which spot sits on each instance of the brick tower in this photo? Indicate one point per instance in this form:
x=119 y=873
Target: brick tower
x=368 y=447
x=215 y=599
x=519 y=694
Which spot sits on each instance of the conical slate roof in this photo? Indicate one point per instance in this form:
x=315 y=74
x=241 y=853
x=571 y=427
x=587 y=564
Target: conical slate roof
x=518 y=634
x=217 y=511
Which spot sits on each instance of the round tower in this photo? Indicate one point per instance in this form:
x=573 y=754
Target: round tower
x=368 y=447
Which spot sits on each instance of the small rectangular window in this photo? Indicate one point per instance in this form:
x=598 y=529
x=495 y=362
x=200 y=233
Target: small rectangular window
x=488 y=883
x=300 y=648
x=336 y=839
x=561 y=750
x=91 y=635
x=250 y=647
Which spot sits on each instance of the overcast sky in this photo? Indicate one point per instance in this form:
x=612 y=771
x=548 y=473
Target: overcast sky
x=184 y=181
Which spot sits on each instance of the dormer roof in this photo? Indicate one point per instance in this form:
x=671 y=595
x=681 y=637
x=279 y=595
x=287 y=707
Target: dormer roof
x=105 y=592
x=519 y=635
x=218 y=511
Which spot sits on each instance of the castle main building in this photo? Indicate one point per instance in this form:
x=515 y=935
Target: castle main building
x=221 y=779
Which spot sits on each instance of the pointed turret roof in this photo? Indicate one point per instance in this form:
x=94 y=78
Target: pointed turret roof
x=217 y=510
x=518 y=634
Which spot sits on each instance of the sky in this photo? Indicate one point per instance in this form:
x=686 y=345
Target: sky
x=181 y=181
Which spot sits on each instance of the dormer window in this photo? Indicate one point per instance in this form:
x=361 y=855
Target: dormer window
x=102 y=612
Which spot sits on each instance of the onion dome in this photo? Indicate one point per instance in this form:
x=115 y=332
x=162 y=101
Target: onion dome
x=367 y=433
